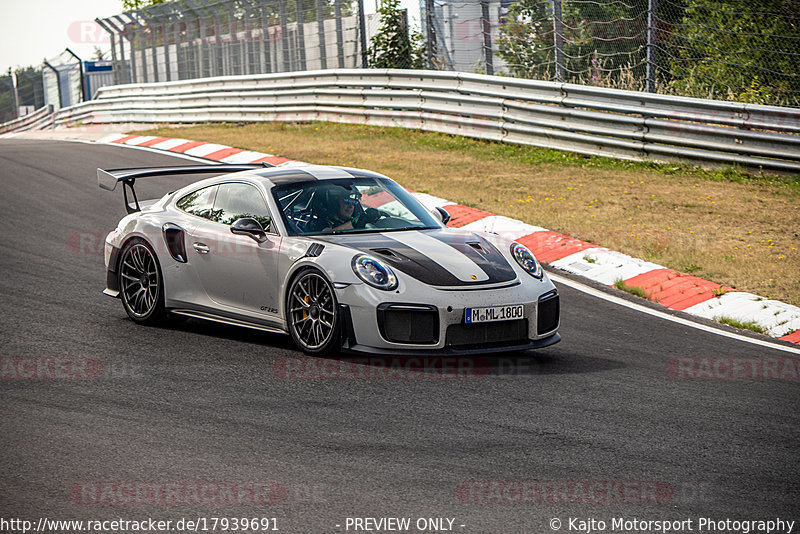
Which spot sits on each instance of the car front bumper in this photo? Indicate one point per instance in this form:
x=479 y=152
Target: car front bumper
x=374 y=322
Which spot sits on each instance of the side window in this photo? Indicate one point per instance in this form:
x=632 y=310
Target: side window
x=199 y=203
x=235 y=201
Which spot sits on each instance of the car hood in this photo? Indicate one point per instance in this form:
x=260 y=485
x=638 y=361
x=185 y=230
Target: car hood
x=439 y=257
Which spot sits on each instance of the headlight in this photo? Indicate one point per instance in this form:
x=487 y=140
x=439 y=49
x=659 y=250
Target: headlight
x=374 y=272
x=526 y=260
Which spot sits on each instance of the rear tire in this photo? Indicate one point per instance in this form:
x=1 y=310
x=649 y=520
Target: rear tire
x=140 y=282
x=312 y=314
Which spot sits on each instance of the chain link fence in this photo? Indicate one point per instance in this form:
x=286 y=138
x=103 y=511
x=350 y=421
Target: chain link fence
x=63 y=80
x=738 y=50
x=729 y=50
x=20 y=93
x=187 y=39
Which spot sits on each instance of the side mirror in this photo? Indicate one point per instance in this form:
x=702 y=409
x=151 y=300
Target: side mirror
x=443 y=215
x=249 y=227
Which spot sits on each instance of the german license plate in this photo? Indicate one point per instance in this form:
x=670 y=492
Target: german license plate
x=493 y=313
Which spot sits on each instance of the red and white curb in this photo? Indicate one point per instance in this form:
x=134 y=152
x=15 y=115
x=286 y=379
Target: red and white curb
x=669 y=288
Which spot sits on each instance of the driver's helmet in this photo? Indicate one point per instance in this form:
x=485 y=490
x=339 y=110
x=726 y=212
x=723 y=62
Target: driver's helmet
x=331 y=195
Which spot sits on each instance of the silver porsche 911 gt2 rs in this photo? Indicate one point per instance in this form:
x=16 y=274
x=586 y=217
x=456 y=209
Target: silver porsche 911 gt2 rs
x=339 y=258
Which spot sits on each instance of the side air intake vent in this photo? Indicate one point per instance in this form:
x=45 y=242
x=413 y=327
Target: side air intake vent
x=174 y=239
x=314 y=250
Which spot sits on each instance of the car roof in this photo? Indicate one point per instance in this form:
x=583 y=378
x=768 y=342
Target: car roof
x=294 y=171
x=285 y=173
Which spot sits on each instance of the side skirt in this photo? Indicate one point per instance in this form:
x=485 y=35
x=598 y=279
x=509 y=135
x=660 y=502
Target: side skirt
x=227 y=320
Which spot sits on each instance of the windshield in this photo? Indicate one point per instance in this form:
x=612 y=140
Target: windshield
x=353 y=205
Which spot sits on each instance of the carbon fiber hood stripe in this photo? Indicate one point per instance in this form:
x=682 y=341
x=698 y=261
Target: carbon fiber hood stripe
x=472 y=249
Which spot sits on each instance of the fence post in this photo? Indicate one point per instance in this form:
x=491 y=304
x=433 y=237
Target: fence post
x=150 y=27
x=323 y=57
x=247 y=44
x=80 y=74
x=284 y=35
x=486 y=28
x=234 y=48
x=203 y=55
x=652 y=35
x=301 y=35
x=167 y=66
x=362 y=30
x=35 y=83
x=143 y=49
x=114 y=63
x=12 y=82
x=558 y=39
x=58 y=83
x=337 y=12
x=124 y=70
x=265 y=49
x=165 y=13
x=430 y=34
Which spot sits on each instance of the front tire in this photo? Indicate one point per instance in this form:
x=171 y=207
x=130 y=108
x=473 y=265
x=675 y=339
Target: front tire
x=312 y=314
x=140 y=282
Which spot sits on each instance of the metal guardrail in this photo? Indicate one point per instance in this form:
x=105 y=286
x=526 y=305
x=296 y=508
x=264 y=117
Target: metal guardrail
x=582 y=119
x=39 y=119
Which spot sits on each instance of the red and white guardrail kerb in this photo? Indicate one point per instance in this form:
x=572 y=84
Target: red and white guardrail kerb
x=675 y=290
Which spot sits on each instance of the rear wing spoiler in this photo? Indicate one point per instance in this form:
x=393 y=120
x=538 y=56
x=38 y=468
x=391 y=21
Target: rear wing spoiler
x=108 y=179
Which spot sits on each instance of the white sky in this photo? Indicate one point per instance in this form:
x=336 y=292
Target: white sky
x=32 y=30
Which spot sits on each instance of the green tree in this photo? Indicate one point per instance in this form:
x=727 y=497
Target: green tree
x=738 y=50
x=601 y=40
x=29 y=86
x=526 y=40
x=393 y=47
x=29 y=91
x=131 y=5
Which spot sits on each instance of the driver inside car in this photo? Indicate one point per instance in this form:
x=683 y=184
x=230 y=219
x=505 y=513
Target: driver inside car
x=341 y=209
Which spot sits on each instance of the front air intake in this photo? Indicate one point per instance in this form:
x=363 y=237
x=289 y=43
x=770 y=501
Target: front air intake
x=409 y=323
x=548 y=313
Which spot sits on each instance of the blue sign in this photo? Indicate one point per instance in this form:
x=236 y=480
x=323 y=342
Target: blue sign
x=97 y=66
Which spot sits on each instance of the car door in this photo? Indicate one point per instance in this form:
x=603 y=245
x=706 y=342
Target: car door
x=236 y=271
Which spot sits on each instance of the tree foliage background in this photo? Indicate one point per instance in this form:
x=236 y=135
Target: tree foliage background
x=731 y=49
x=29 y=90
x=394 y=46
x=132 y=5
x=747 y=51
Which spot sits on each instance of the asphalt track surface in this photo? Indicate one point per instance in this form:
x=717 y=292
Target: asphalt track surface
x=199 y=402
